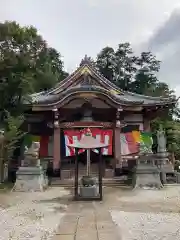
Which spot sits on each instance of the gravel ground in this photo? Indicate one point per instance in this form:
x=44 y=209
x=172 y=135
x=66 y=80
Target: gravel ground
x=139 y=214
x=32 y=216
x=168 y=193
x=149 y=224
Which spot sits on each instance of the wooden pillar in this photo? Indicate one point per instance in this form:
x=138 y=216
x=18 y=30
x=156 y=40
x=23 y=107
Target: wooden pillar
x=146 y=124
x=146 y=121
x=117 y=147
x=100 y=173
x=117 y=140
x=76 y=194
x=57 y=149
x=57 y=143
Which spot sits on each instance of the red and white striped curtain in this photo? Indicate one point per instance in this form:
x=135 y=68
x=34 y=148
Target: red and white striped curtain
x=104 y=136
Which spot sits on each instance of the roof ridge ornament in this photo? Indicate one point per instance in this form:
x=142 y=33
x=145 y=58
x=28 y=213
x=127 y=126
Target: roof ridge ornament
x=85 y=60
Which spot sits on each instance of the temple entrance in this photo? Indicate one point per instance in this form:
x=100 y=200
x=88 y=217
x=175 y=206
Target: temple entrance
x=68 y=163
x=72 y=136
x=93 y=157
x=86 y=187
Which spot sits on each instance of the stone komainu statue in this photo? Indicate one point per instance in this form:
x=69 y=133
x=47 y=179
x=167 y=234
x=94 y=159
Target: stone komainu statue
x=31 y=155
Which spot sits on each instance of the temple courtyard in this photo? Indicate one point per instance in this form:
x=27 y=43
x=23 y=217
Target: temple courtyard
x=123 y=214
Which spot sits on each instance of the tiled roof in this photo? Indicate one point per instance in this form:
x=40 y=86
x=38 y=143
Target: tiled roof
x=103 y=86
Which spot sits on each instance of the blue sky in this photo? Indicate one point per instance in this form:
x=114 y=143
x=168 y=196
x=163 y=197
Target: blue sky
x=79 y=27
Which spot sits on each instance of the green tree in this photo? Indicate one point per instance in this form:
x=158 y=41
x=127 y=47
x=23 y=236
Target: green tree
x=27 y=64
x=48 y=69
x=145 y=77
x=105 y=63
x=10 y=135
x=118 y=66
x=130 y=72
x=172 y=129
x=125 y=66
x=139 y=74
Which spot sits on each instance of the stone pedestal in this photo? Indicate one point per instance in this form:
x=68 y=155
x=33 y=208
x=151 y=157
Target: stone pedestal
x=146 y=176
x=30 y=179
x=89 y=192
x=164 y=165
x=31 y=176
x=177 y=174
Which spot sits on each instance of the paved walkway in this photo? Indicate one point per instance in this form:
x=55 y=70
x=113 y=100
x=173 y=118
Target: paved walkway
x=130 y=210
x=87 y=221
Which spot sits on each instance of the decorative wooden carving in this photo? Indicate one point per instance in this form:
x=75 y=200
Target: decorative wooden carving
x=86 y=70
x=87 y=80
x=86 y=124
x=112 y=91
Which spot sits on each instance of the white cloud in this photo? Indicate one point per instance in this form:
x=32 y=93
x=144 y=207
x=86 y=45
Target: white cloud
x=165 y=43
x=86 y=26
x=177 y=90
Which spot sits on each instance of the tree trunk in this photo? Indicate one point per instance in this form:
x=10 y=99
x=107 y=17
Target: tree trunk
x=1 y=169
x=173 y=158
x=2 y=172
x=1 y=164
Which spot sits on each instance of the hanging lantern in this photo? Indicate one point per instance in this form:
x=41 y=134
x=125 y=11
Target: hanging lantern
x=56 y=123
x=118 y=123
x=56 y=117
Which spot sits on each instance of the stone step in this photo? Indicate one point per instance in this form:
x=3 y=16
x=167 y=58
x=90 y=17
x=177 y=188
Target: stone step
x=104 y=185
x=66 y=173
x=70 y=182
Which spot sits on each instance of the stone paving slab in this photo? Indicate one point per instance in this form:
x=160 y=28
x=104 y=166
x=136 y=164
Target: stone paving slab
x=103 y=216
x=70 y=218
x=67 y=229
x=91 y=226
x=63 y=237
x=88 y=223
x=86 y=235
x=108 y=236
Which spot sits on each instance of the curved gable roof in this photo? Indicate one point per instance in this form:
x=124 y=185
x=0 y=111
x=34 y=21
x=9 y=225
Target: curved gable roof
x=87 y=78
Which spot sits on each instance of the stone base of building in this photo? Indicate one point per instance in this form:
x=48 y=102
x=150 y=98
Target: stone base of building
x=69 y=173
x=109 y=173
x=30 y=179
